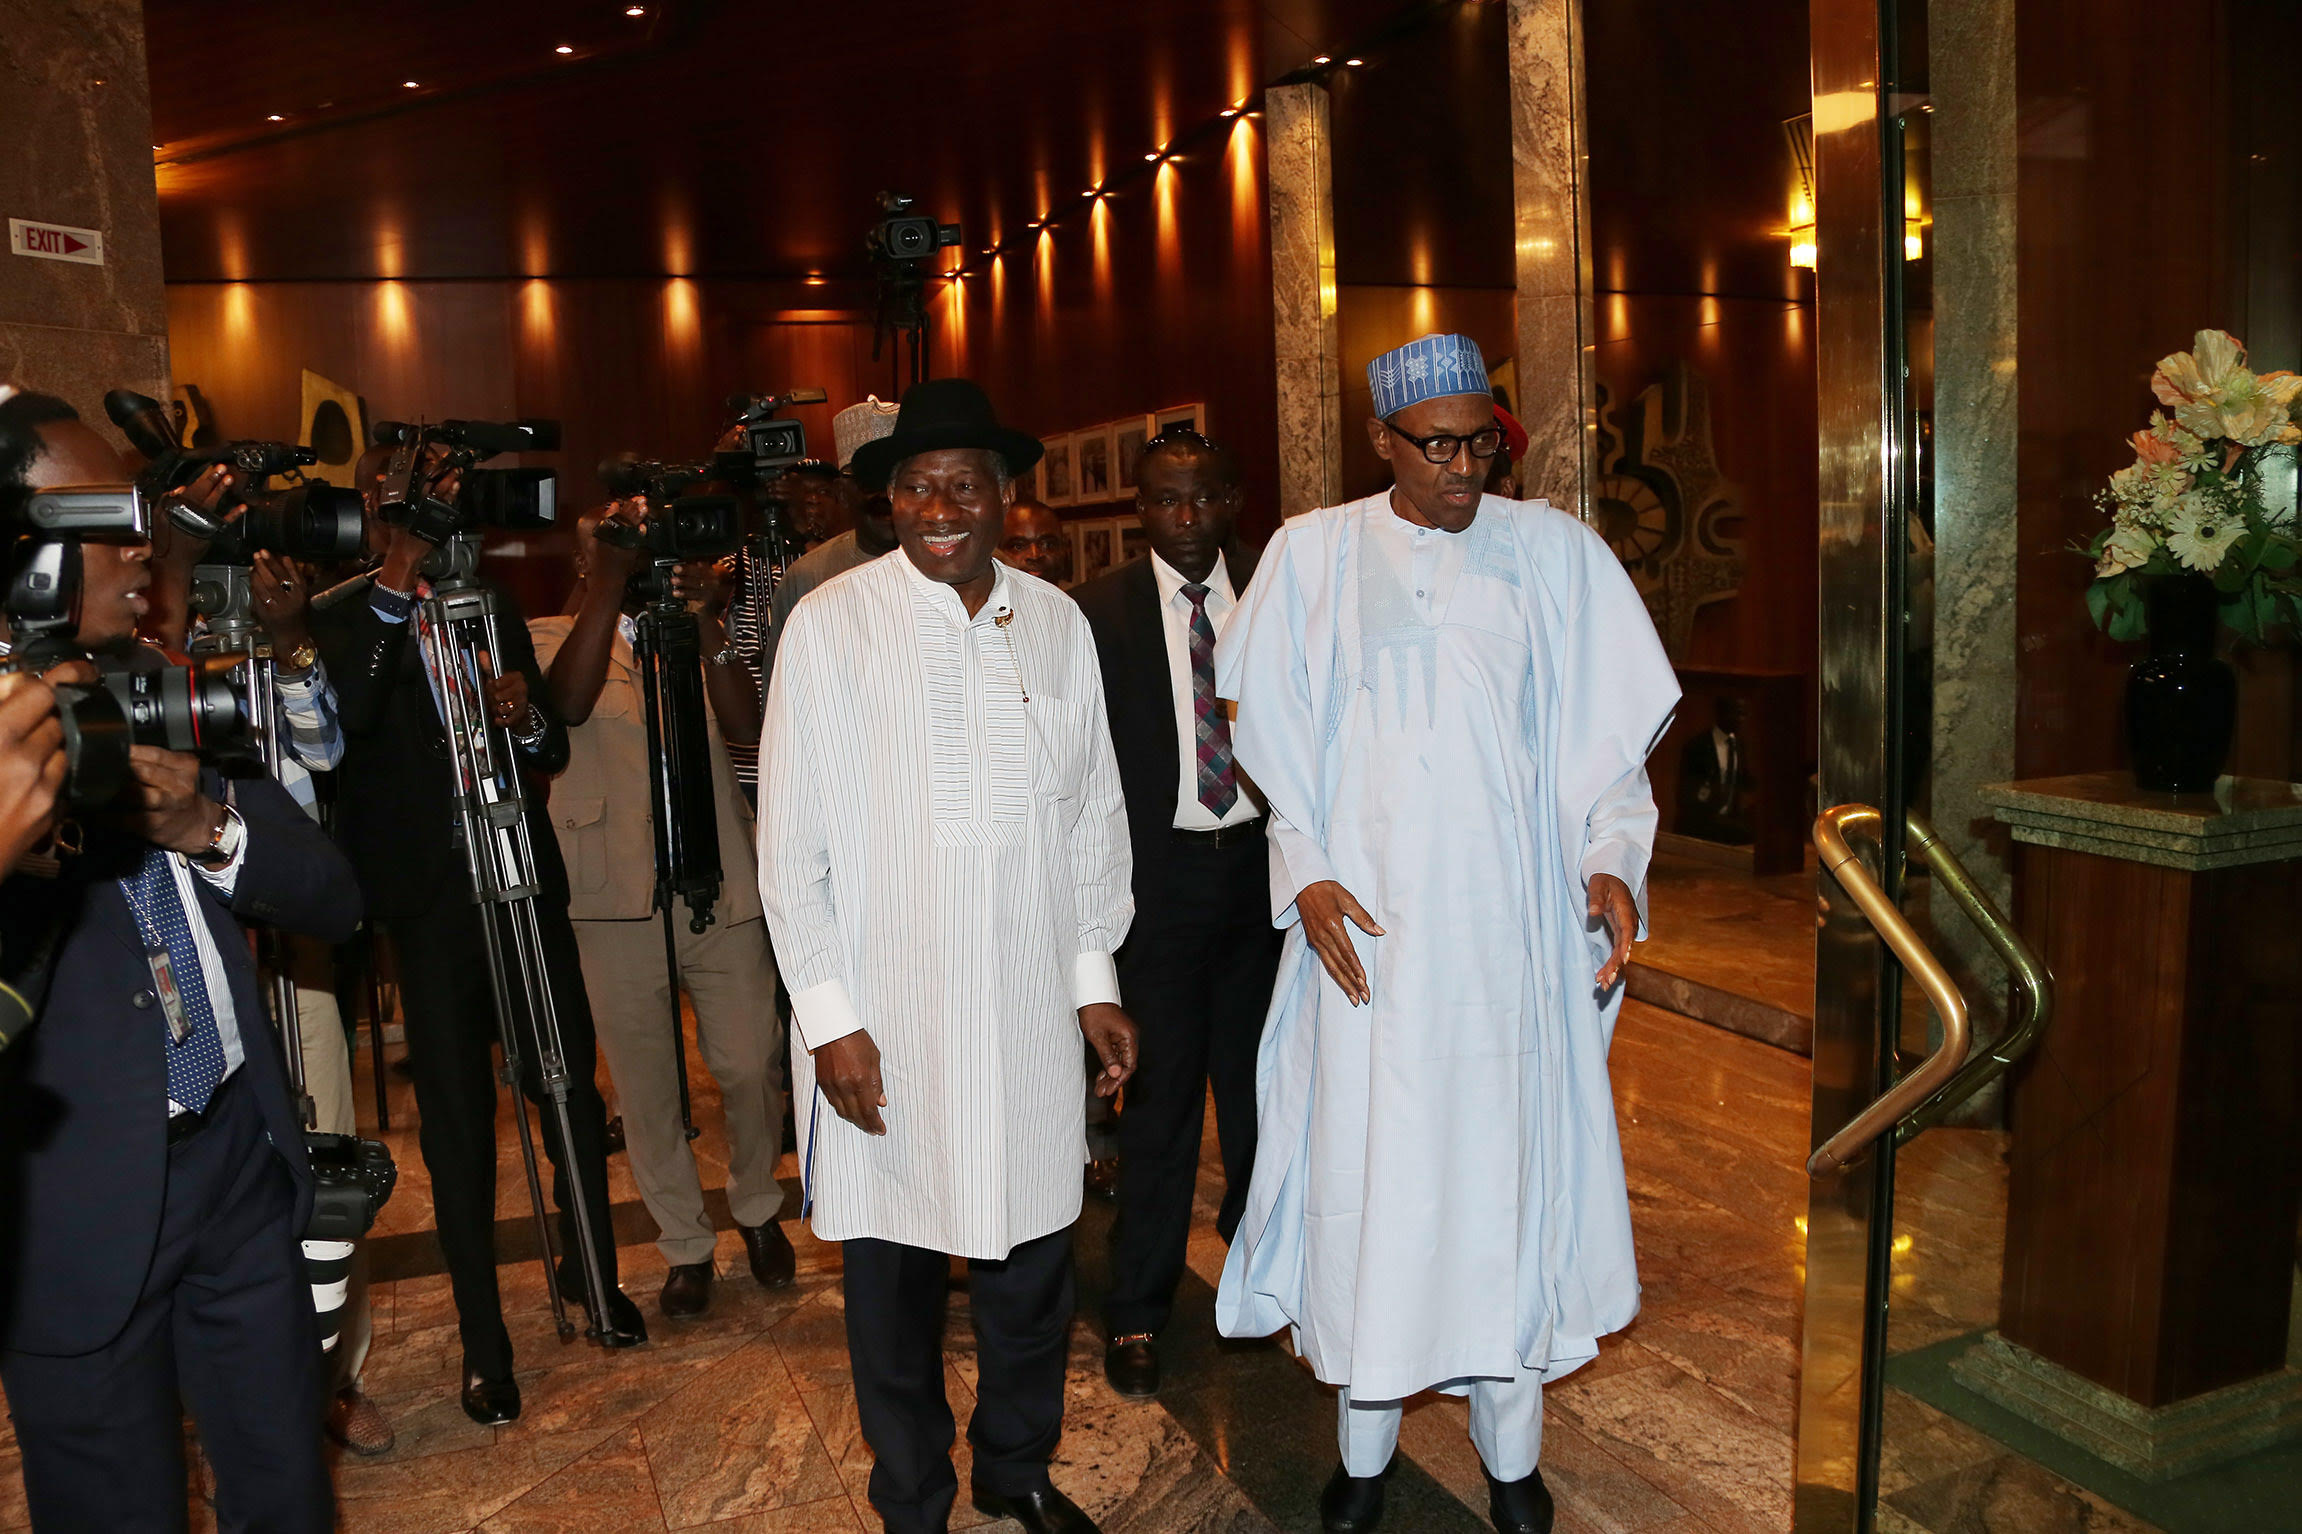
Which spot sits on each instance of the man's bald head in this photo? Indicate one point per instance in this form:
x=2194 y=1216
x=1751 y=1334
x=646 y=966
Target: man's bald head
x=1035 y=542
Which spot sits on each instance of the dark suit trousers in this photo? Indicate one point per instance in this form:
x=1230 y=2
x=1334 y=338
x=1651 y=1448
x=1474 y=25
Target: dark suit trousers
x=1022 y=1309
x=224 y=1324
x=1196 y=977
x=452 y=1035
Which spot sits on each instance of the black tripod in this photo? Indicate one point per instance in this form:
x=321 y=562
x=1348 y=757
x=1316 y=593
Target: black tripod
x=669 y=654
x=459 y=634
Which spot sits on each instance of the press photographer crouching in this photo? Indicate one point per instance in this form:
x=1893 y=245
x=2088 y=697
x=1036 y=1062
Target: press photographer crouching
x=439 y=711
x=163 y=1181
x=624 y=664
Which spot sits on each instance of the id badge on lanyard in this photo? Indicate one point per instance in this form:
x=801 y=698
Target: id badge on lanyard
x=164 y=983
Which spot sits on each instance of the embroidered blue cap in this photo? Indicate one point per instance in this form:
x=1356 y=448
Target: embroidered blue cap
x=1430 y=368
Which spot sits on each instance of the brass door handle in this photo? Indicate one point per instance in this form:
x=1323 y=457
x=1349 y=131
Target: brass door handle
x=1934 y=1072
x=2033 y=986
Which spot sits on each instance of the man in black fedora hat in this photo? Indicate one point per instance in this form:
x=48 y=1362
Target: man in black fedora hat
x=946 y=875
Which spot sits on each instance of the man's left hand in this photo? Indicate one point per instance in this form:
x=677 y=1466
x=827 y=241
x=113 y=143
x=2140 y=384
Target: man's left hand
x=169 y=809
x=507 y=697
x=1611 y=903
x=1112 y=1033
x=705 y=584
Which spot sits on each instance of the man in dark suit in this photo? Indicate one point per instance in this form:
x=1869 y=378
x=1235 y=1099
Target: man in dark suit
x=1197 y=970
x=160 y=1184
x=395 y=818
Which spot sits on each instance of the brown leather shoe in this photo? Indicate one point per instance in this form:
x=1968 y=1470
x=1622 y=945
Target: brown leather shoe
x=359 y=1424
x=773 y=1262
x=686 y=1289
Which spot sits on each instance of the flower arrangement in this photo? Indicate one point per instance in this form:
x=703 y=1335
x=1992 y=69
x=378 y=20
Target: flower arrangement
x=2200 y=497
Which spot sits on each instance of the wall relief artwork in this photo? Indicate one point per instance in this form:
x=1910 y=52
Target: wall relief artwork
x=1663 y=505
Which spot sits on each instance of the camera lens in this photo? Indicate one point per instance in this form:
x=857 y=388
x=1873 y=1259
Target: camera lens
x=183 y=708
x=96 y=744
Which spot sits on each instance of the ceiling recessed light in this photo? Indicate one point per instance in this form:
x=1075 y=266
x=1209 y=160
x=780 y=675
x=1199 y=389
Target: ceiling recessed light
x=410 y=84
x=563 y=48
x=1353 y=63
x=1230 y=112
x=635 y=10
x=1322 y=59
x=275 y=118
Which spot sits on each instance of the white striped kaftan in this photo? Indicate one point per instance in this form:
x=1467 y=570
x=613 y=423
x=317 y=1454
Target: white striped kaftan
x=944 y=862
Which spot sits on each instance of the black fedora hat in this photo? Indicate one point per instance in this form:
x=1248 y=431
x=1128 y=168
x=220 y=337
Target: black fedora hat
x=939 y=415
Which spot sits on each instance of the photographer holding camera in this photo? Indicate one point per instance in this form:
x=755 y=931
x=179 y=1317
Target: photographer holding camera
x=159 y=1156
x=600 y=808
x=396 y=819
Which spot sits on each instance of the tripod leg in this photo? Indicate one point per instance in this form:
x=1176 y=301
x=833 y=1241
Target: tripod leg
x=508 y=1031
x=678 y=1028
x=552 y=1076
x=376 y=1027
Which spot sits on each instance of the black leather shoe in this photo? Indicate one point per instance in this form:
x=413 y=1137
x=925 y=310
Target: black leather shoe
x=1520 y=1507
x=491 y=1403
x=1103 y=1179
x=626 y=1327
x=1131 y=1364
x=1351 y=1504
x=772 y=1260
x=1045 y=1511
x=686 y=1289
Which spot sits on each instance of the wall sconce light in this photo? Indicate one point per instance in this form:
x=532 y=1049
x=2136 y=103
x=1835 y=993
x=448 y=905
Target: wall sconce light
x=1802 y=248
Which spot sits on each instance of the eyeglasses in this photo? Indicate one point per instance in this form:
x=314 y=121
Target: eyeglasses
x=1181 y=436
x=1442 y=448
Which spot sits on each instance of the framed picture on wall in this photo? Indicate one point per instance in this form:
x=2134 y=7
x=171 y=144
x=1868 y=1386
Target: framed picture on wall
x=1192 y=416
x=1027 y=483
x=1056 y=487
x=1092 y=549
x=1094 y=463
x=1132 y=540
x=1128 y=439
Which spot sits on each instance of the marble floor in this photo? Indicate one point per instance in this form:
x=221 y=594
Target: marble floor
x=743 y=1421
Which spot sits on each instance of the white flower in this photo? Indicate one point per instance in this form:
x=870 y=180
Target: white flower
x=2129 y=548
x=2201 y=535
x=2215 y=395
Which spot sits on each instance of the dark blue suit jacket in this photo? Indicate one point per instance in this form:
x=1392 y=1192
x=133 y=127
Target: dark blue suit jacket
x=83 y=1096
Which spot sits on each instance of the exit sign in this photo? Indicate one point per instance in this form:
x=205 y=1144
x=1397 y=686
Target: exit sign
x=56 y=242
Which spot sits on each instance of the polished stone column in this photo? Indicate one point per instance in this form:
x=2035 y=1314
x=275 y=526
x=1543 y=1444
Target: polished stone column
x=1550 y=160
x=79 y=126
x=1303 y=298
x=1971 y=49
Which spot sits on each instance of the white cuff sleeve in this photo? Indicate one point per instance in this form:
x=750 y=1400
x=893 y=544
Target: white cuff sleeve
x=227 y=878
x=1094 y=979
x=823 y=1013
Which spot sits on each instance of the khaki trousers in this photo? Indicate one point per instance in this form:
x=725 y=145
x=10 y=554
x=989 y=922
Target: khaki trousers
x=729 y=973
x=328 y=1078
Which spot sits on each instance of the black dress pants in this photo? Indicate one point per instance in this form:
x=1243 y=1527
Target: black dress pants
x=1022 y=1309
x=452 y=1036
x=223 y=1324
x=1196 y=977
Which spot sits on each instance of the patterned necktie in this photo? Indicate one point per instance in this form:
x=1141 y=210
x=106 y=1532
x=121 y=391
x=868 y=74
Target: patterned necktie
x=196 y=1064
x=1218 y=784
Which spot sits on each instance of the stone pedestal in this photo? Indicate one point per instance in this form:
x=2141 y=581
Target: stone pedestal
x=80 y=153
x=2156 y=1168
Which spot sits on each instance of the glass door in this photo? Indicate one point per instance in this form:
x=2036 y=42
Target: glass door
x=1917 y=1415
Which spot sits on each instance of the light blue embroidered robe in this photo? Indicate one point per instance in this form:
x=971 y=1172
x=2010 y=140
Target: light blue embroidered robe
x=1455 y=726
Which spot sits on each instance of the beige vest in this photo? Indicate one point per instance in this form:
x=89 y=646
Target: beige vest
x=600 y=808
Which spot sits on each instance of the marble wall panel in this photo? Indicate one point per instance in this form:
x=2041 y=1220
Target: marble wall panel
x=1971 y=47
x=1303 y=297
x=80 y=153
x=1550 y=161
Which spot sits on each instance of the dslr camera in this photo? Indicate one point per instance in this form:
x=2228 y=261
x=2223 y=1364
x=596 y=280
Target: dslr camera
x=143 y=698
x=424 y=455
x=307 y=519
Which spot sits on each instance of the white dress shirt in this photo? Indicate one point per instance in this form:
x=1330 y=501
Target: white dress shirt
x=943 y=862
x=1175 y=623
x=223 y=881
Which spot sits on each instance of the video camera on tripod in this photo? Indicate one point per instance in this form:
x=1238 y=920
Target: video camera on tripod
x=686 y=519
x=423 y=457
x=141 y=697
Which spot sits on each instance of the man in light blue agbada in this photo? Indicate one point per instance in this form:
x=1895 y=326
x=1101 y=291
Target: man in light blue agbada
x=1448 y=700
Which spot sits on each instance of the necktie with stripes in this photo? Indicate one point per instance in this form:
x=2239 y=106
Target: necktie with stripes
x=1218 y=783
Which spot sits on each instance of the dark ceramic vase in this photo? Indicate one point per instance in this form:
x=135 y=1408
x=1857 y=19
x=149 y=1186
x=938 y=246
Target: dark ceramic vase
x=2181 y=699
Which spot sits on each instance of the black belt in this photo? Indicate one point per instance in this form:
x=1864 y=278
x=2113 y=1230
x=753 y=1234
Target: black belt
x=191 y=1121
x=1222 y=836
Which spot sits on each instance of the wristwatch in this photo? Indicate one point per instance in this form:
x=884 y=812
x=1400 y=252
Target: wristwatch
x=727 y=655
x=225 y=844
x=299 y=660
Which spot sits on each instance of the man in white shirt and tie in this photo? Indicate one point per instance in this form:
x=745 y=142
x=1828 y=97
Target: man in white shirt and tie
x=945 y=873
x=1197 y=970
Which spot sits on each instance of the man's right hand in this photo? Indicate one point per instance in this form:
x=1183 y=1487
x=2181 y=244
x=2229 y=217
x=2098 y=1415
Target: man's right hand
x=848 y=1071
x=31 y=764
x=1324 y=908
x=612 y=563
